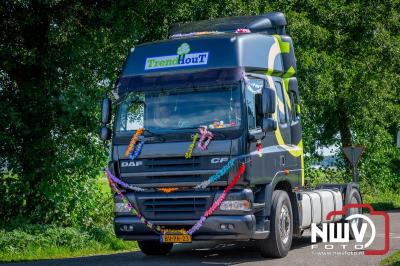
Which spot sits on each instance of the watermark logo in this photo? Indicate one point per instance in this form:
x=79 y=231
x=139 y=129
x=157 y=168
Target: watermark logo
x=337 y=235
x=183 y=58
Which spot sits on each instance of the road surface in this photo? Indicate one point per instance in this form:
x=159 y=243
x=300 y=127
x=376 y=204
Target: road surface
x=240 y=253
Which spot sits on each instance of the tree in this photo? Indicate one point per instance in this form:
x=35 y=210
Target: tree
x=57 y=58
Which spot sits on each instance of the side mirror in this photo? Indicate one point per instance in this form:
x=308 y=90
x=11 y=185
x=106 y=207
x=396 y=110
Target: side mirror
x=268 y=124
x=268 y=101
x=105 y=133
x=106 y=111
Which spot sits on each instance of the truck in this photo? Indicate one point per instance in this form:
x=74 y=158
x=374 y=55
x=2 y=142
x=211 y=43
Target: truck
x=217 y=94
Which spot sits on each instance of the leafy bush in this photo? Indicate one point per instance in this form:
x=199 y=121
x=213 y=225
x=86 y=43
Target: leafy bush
x=45 y=241
x=392 y=260
x=83 y=202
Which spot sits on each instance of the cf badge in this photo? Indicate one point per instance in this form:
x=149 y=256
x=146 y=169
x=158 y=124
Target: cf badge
x=219 y=160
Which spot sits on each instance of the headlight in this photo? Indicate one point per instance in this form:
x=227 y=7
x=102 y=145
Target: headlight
x=121 y=207
x=235 y=205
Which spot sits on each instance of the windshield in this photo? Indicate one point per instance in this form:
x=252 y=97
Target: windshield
x=180 y=109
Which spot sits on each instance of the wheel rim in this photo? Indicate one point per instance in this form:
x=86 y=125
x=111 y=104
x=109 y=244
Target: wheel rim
x=284 y=224
x=354 y=211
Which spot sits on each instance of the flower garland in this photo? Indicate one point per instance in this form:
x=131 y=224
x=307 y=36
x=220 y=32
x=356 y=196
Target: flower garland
x=189 y=152
x=133 y=141
x=218 y=202
x=122 y=183
x=206 y=137
x=167 y=189
x=158 y=229
x=221 y=172
x=151 y=226
x=138 y=150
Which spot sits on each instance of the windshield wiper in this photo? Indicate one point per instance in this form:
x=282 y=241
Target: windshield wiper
x=152 y=134
x=184 y=128
x=214 y=132
x=124 y=99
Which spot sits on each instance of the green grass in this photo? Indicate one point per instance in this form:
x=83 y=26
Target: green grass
x=33 y=242
x=394 y=259
x=383 y=201
x=103 y=184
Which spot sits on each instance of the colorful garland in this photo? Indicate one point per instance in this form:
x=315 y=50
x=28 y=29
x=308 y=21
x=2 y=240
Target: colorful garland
x=189 y=152
x=122 y=183
x=221 y=172
x=137 y=150
x=159 y=230
x=156 y=228
x=168 y=189
x=151 y=226
x=133 y=141
x=218 y=202
x=206 y=137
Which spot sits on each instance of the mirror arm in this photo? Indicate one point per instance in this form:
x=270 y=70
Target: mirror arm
x=264 y=135
x=257 y=136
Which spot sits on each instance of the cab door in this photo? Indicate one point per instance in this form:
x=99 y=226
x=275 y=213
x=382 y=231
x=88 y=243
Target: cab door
x=264 y=168
x=289 y=153
x=260 y=170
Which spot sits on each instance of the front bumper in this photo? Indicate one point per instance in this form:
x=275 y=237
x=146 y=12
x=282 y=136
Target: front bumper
x=242 y=228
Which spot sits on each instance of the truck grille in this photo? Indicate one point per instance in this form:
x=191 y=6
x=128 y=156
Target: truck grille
x=171 y=164
x=174 y=179
x=153 y=172
x=174 y=206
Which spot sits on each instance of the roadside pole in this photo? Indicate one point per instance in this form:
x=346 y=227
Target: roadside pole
x=353 y=154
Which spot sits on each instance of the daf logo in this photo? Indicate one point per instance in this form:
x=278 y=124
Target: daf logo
x=219 y=160
x=130 y=164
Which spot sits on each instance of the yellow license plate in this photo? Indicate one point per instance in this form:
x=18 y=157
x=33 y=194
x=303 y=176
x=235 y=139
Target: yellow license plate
x=177 y=238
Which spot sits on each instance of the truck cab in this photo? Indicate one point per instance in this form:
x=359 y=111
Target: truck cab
x=236 y=77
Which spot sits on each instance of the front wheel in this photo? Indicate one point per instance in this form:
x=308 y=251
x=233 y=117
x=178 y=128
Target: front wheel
x=280 y=239
x=354 y=197
x=155 y=247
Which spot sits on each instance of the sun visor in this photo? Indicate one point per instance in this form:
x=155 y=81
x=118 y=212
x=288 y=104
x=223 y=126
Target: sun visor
x=179 y=80
x=200 y=60
x=252 y=51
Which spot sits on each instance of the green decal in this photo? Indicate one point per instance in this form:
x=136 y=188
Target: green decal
x=289 y=73
x=284 y=46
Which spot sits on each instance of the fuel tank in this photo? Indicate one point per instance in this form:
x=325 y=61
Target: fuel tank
x=316 y=204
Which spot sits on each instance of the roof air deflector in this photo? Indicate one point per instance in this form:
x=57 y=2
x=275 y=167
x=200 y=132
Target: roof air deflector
x=271 y=23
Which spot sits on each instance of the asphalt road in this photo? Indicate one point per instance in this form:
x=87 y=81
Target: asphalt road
x=242 y=253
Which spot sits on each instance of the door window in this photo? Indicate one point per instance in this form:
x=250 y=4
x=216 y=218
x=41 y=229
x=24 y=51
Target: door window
x=281 y=103
x=253 y=102
x=294 y=104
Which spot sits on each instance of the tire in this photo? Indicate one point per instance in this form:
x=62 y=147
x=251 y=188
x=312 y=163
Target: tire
x=277 y=245
x=354 y=197
x=152 y=248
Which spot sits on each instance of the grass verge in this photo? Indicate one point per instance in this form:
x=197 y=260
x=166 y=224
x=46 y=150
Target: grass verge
x=383 y=201
x=394 y=259
x=34 y=242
